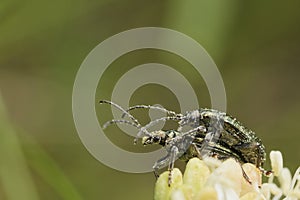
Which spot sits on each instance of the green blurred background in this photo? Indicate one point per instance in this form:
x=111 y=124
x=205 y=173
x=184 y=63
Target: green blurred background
x=255 y=44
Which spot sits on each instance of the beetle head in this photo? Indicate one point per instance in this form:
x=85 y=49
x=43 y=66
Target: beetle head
x=158 y=137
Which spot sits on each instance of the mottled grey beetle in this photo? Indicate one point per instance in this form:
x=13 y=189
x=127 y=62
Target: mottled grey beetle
x=210 y=133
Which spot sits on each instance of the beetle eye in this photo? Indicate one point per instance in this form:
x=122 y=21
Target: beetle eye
x=156 y=138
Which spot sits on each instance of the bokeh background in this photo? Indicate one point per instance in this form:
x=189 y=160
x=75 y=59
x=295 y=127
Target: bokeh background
x=255 y=44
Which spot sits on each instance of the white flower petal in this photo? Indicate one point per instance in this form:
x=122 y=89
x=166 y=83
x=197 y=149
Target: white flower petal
x=228 y=175
x=276 y=162
x=177 y=195
x=213 y=179
x=295 y=178
x=285 y=180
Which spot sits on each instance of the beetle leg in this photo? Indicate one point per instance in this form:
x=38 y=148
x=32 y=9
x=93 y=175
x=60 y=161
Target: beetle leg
x=159 y=164
x=173 y=154
x=266 y=173
x=152 y=123
x=196 y=150
x=246 y=177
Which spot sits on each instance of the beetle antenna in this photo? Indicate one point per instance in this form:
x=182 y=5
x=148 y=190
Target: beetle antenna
x=169 y=112
x=121 y=109
x=119 y=121
x=135 y=122
x=122 y=121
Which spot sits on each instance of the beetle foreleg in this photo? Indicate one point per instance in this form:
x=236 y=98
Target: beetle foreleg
x=173 y=154
x=160 y=164
x=152 y=123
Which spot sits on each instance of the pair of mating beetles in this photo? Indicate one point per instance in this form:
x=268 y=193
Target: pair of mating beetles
x=210 y=133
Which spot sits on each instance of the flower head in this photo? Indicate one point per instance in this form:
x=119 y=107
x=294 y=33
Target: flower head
x=212 y=179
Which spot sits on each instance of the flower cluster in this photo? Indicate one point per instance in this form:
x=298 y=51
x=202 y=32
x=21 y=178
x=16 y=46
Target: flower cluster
x=212 y=179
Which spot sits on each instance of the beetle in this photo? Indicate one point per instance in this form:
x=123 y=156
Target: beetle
x=209 y=133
